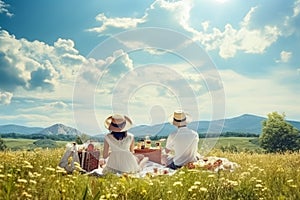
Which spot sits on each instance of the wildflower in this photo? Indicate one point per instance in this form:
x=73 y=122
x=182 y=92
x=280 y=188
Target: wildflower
x=177 y=183
x=203 y=189
x=290 y=181
x=26 y=162
x=26 y=194
x=193 y=187
x=20 y=180
x=50 y=169
x=2 y=175
x=28 y=166
x=258 y=185
x=233 y=183
x=36 y=174
x=143 y=192
x=222 y=179
x=197 y=183
x=58 y=168
x=211 y=176
x=32 y=181
x=169 y=191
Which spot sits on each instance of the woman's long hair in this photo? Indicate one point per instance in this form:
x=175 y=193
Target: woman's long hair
x=119 y=135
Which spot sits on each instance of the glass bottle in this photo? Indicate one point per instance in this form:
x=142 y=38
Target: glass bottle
x=147 y=142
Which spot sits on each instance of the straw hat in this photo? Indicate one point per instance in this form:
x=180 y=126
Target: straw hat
x=117 y=123
x=179 y=118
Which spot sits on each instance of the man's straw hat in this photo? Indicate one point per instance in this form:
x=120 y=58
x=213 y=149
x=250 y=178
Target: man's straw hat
x=179 y=118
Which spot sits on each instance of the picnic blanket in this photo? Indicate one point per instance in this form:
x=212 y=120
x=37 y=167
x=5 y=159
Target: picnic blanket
x=150 y=168
x=210 y=163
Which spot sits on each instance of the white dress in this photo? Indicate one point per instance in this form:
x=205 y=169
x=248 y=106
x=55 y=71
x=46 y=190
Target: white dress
x=121 y=159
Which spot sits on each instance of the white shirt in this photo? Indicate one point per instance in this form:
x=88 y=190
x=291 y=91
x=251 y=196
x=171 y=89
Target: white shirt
x=184 y=143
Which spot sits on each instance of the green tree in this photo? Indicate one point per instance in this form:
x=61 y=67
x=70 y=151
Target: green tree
x=78 y=140
x=84 y=138
x=278 y=135
x=2 y=145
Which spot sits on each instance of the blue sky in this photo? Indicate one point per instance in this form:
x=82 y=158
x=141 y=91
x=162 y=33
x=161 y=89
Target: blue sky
x=76 y=62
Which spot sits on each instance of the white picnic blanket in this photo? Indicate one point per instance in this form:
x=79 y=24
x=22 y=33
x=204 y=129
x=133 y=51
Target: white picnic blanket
x=211 y=164
x=150 y=168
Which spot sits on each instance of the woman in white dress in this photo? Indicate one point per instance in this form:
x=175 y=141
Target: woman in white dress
x=119 y=146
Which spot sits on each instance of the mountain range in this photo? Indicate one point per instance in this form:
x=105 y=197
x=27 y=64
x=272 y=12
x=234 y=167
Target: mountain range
x=242 y=124
x=56 y=129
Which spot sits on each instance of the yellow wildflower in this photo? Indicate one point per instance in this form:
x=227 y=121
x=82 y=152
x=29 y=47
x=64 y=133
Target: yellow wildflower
x=177 y=183
x=20 y=180
x=197 y=183
x=50 y=169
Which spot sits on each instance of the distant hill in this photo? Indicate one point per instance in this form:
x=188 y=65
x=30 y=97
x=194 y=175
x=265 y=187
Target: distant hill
x=12 y=128
x=242 y=124
x=60 y=129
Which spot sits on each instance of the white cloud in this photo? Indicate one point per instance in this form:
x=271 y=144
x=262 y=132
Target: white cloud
x=247 y=19
x=296 y=8
x=122 y=23
x=285 y=56
x=5 y=98
x=120 y=54
x=232 y=40
x=176 y=15
x=36 y=65
x=173 y=14
x=4 y=9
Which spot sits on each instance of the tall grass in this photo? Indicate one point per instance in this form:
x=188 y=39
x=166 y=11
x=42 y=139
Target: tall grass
x=35 y=175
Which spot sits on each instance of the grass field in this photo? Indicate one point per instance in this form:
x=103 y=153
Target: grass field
x=20 y=143
x=241 y=143
x=35 y=175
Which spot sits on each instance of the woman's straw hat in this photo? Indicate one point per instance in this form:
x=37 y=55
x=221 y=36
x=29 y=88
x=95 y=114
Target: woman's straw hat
x=117 y=123
x=179 y=118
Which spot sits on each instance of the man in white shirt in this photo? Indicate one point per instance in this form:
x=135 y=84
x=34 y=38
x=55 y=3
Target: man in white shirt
x=183 y=143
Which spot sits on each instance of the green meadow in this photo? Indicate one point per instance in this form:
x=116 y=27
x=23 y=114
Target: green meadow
x=35 y=175
x=241 y=143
